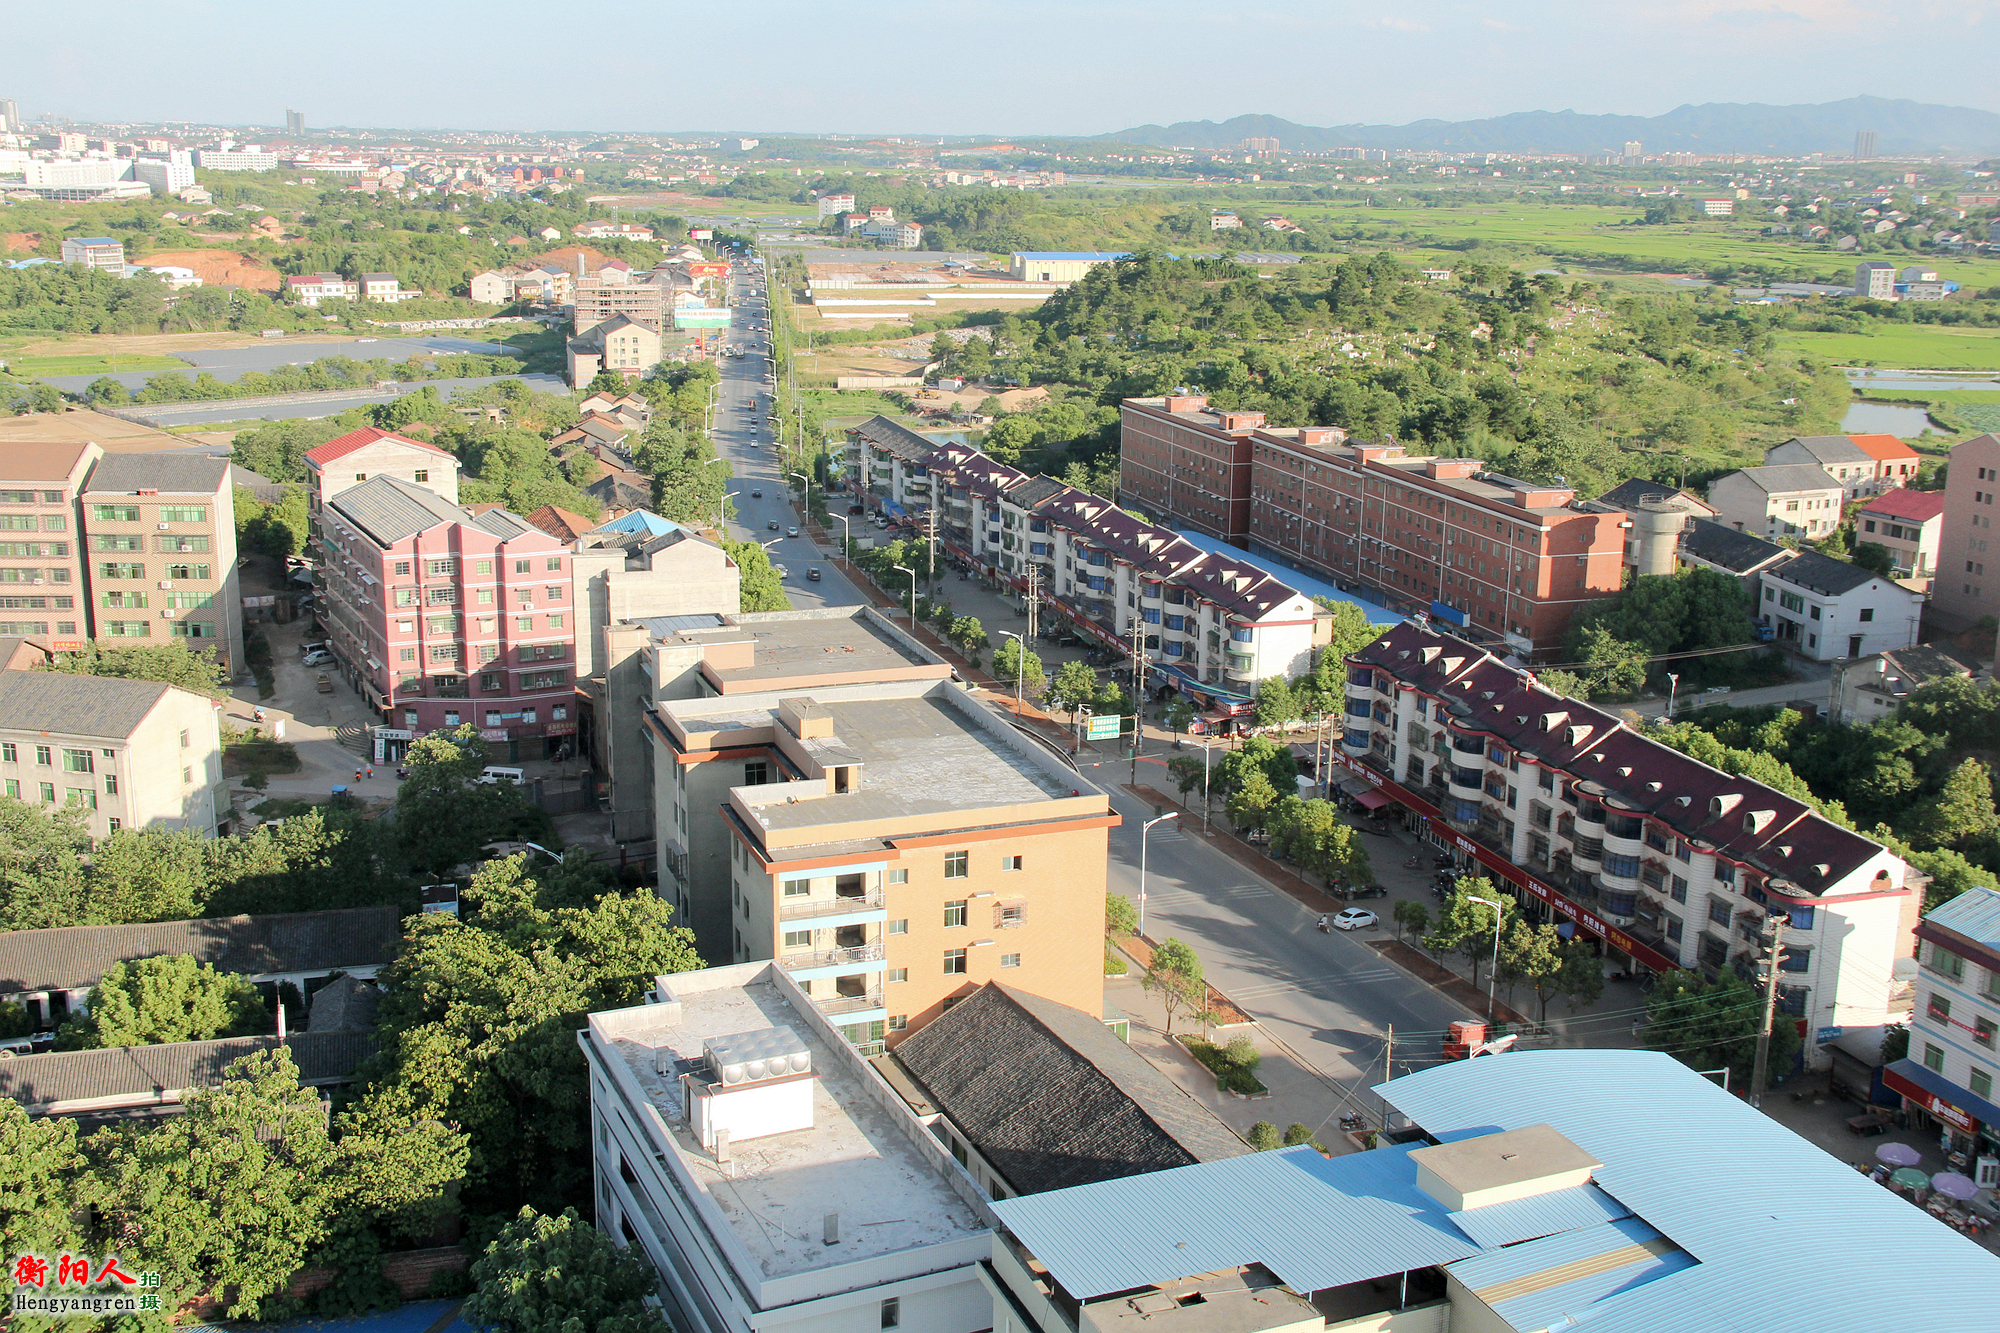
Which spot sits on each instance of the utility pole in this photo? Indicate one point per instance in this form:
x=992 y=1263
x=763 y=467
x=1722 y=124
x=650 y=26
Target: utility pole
x=1034 y=596
x=1763 y=1067
x=1388 y=1072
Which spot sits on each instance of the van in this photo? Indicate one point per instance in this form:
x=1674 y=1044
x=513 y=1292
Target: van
x=496 y=774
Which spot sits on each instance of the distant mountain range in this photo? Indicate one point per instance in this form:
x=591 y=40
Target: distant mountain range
x=1718 y=127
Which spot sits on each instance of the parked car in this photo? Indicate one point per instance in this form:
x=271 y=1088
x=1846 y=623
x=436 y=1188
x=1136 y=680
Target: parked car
x=309 y=648
x=1368 y=891
x=322 y=684
x=320 y=658
x=1356 y=918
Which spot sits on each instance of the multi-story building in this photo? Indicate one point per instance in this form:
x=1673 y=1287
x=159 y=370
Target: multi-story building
x=1959 y=594
x=1946 y=1081
x=1875 y=280
x=1827 y=609
x=1862 y=464
x=232 y=157
x=360 y=455
x=1789 y=500
x=833 y=205
x=165 y=175
x=385 y=287
x=442 y=617
x=1506 y=560
x=1671 y=863
x=44 y=591
x=622 y=344
x=95 y=252
x=642 y=298
x=1910 y=524
x=129 y=753
x=160 y=530
x=312 y=288
x=890 y=845
x=1867 y=688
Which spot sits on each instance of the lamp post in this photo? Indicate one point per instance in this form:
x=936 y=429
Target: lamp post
x=1020 y=668
x=846 y=545
x=809 y=491
x=1673 y=690
x=1145 y=829
x=1493 y=977
x=913 y=596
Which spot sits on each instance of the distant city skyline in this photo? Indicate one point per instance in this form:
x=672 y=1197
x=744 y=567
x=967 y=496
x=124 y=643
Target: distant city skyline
x=961 y=67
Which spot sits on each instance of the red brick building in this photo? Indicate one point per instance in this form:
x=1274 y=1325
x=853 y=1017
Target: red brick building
x=1506 y=561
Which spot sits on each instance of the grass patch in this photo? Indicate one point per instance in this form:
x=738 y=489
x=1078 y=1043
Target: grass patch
x=93 y=365
x=1114 y=962
x=259 y=758
x=1234 y=1065
x=1912 y=347
x=282 y=807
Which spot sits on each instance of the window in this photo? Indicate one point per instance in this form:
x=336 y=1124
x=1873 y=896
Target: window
x=523 y=566
x=1867 y=613
x=900 y=876
x=1679 y=889
x=183 y=514
x=110 y=784
x=406 y=654
x=956 y=865
x=46 y=756
x=445 y=596
x=1933 y=1055
x=402 y=566
x=444 y=652
x=117 y=542
x=954 y=959
x=193 y=629
x=898 y=1022
x=115 y=513
x=1718 y=910
x=489 y=681
x=48 y=793
x=482 y=566
x=756 y=773
x=14 y=788
x=525 y=624
x=9 y=753
x=900 y=927
x=1982 y=1030
x=798 y=939
x=954 y=912
x=796 y=888
x=441 y=568
x=78 y=761
x=1010 y=960
x=1010 y=863
x=1940 y=1007
x=892 y=1312
x=483 y=596
x=187 y=776
x=178 y=543
x=1981 y=1082
x=1008 y=916
x=1946 y=963
x=83 y=796
x=422 y=474
x=110 y=570
x=544 y=680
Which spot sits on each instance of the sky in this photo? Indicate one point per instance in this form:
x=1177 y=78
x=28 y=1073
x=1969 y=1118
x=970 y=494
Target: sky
x=980 y=67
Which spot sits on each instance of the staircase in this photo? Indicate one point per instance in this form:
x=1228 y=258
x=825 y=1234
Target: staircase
x=355 y=738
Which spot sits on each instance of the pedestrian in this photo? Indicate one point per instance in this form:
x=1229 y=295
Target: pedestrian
x=371 y=772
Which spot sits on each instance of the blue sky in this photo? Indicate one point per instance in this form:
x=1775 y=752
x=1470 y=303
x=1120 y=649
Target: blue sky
x=974 y=66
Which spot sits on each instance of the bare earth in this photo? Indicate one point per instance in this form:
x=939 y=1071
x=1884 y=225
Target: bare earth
x=220 y=268
x=113 y=434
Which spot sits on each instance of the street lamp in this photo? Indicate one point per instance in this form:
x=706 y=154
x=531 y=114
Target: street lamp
x=809 y=491
x=557 y=857
x=1673 y=689
x=1145 y=829
x=1020 y=668
x=913 y=596
x=846 y=544
x=1493 y=977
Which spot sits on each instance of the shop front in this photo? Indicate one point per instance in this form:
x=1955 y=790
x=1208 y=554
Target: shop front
x=1967 y=1126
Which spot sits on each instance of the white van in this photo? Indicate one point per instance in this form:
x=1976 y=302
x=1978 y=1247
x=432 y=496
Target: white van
x=496 y=774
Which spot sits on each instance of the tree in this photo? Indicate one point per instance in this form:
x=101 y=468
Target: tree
x=1961 y=816
x=1264 y=1137
x=168 y=663
x=41 y=870
x=230 y=1197
x=1175 y=976
x=1468 y=926
x=1180 y=716
x=41 y=1182
x=1011 y=666
x=1121 y=917
x=1712 y=1024
x=1412 y=916
x=1533 y=954
x=168 y=997
x=1188 y=773
x=1581 y=980
x=760 y=587
x=1612 y=666
x=1565 y=683
x=969 y=635
x=1275 y=705
x=1260 y=754
x=1074 y=686
x=443 y=816
x=1248 y=804
x=561 y=1275
x=1875 y=558
x=1296 y=1134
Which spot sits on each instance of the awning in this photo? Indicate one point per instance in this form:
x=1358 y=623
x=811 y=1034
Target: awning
x=1372 y=799
x=1939 y=1095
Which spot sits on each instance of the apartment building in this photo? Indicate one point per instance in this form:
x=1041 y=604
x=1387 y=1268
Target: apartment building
x=128 y=753
x=161 y=535
x=385 y=287
x=44 y=590
x=833 y=205
x=1946 y=1081
x=621 y=344
x=231 y=157
x=1911 y=525
x=1862 y=464
x=1788 y=500
x=1963 y=593
x=1504 y=560
x=1875 y=280
x=890 y=845
x=442 y=617
x=95 y=252
x=1827 y=609
x=1207 y=624
x=1670 y=863
x=309 y=289
x=361 y=455
x=165 y=175
x=642 y=298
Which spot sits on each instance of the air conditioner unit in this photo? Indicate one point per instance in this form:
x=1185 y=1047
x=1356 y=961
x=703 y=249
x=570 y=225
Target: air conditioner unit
x=164 y=527
x=167 y=614
x=36 y=581
x=166 y=583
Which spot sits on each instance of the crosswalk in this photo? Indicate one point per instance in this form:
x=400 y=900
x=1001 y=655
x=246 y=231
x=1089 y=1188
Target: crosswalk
x=1240 y=893
x=1328 y=986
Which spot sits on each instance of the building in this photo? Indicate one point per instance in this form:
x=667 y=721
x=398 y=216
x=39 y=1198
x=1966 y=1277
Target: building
x=133 y=1083
x=1706 y=545
x=728 y=1102
x=1946 y=1081
x=10 y=116
x=492 y=288
x=640 y=566
x=309 y=289
x=1224 y=220
x=1060 y=266
x=1896 y=463
x=1910 y=524
x=1827 y=609
x=1790 y=500
x=833 y=205
x=1865 y=689
x=1539 y=1190
x=360 y=455
x=1875 y=280
x=229 y=157
x=161 y=532
x=621 y=343
x=295 y=124
x=1862 y=464
x=52 y=972
x=609 y=294
x=441 y=617
x=165 y=175
x=1958 y=594
x=616 y=231
x=385 y=287
x=130 y=753
x=95 y=252
x=1033 y=1096
x=1671 y=863
x=175 y=276
x=44 y=590
x=1504 y=559
x=909 y=236
x=1660 y=517
x=891 y=845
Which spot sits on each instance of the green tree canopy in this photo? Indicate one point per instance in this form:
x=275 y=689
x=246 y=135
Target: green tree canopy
x=168 y=997
x=1175 y=976
x=1712 y=1024
x=759 y=586
x=168 y=663
x=561 y=1275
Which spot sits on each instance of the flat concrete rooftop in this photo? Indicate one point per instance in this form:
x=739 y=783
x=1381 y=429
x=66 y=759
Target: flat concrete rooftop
x=779 y=1189
x=797 y=648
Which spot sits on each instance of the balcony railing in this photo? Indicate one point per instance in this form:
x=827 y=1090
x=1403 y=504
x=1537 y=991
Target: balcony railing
x=860 y=953
x=807 y=908
x=849 y=1004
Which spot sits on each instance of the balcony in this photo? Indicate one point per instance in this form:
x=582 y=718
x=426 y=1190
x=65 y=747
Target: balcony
x=806 y=909
x=839 y=1006
x=831 y=958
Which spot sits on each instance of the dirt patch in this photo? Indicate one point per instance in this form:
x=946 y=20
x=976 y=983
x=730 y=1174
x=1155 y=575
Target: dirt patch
x=24 y=242
x=221 y=268
x=565 y=257
x=113 y=434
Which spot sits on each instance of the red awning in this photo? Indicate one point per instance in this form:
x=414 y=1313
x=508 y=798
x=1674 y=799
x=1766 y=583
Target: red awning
x=1372 y=799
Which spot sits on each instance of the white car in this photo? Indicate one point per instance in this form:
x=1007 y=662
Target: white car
x=1356 y=918
x=319 y=657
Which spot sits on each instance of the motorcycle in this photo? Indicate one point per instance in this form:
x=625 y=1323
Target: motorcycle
x=1352 y=1122
x=1414 y=863
x=1325 y=926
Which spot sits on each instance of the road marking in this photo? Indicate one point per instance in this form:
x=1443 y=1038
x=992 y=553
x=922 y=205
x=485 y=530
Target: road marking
x=1324 y=987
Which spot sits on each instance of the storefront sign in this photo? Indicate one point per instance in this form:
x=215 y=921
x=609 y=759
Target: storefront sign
x=562 y=728
x=394 y=734
x=1826 y=1035
x=68 y=645
x=1936 y=1105
x=493 y=733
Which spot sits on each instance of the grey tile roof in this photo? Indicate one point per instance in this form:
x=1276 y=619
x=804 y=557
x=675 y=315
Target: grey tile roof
x=1719 y=544
x=389 y=509
x=1821 y=573
x=72 y=705
x=893 y=438
x=504 y=524
x=178 y=472
x=345 y=1002
x=145 y=1073
x=1627 y=494
x=1051 y=1098
x=1034 y=491
x=1829 y=449
x=1784 y=478
x=73 y=957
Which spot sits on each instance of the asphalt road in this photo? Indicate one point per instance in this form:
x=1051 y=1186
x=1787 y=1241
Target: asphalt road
x=229 y=363
x=287 y=407
x=742 y=434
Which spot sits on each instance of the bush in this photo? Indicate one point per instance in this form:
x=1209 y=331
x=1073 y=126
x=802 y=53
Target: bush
x=1231 y=1075
x=1296 y=1133
x=1264 y=1136
x=1243 y=1053
x=1114 y=963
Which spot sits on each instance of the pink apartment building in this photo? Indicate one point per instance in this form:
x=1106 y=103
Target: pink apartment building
x=441 y=616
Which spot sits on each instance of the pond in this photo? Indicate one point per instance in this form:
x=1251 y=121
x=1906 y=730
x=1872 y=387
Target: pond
x=1911 y=381
x=1886 y=419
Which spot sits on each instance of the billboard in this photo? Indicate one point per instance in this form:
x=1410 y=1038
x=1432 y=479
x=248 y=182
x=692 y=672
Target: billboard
x=709 y=268
x=701 y=234
x=697 y=318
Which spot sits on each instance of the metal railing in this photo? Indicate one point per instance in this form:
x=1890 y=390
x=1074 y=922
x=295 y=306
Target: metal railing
x=849 y=1004
x=804 y=908
x=860 y=953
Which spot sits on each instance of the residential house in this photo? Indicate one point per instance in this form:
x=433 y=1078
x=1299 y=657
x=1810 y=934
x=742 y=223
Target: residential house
x=44 y=590
x=1911 y=525
x=1897 y=464
x=492 y=287
x=161 y=533
x=1946 y=1080
x=121 y=1085
x=1862 y=464
x=1865 y=689
x=629 y=410
x=1707 y=545
x=1790 y=500
x=833 y=205
x=1827 y=609
x=386 y=287
x=616 y=231
x=100 y=252
x=1060 y=266
x=621 y=343
x=1875 y=279
x=1959 y=596
x=311 y=288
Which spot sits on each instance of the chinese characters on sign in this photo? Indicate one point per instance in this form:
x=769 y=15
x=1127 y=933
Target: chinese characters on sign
x=34 y=1274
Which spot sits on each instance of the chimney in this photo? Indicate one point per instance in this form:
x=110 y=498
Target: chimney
x=833 y=1228
x=579 y=265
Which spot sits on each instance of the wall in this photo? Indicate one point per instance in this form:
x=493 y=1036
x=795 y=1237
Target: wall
x=1960 y=596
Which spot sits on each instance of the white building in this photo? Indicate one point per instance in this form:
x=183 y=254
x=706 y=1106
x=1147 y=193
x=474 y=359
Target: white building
x=833 y=205
x=492 y=288
x=1947 y=1079
x=385 y=287
x=72 y=173
x=1838 y=456
x=1788 y=500
x=168 y=175
x=95 y=252
x=1875 y=280
x=176 y=277
x=231 y=157
x=768 y=1172
x=1827 y=609
x=1671 y=863
x=312 y=288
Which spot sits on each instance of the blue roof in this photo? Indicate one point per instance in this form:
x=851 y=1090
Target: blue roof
x=1974 y=914
x=91 y=240
x=639 y=520
x=1073 y=254
x=1539 y=1215
x=1305 y=583
x=1534 y=1286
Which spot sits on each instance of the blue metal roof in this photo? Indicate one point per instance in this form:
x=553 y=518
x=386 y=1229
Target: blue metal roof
x=1540 y=1215
x=1314 y=1222
x=1305 y=583
x=1974 y=914
x=640 y=520
x=1759 y=1207
x=1539 y=1284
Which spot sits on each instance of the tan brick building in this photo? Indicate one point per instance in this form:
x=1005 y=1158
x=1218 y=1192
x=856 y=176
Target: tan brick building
x=44 y=594
x=161 y=532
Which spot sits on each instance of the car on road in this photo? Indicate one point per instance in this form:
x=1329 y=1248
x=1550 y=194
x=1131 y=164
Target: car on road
x=791 y=532
x=756 y=494
x=322 y=684
x=1356 y=918
x=320 y=658
x=1367 y=891
x=772 y=525
x=812 y=572
x=782 y=572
